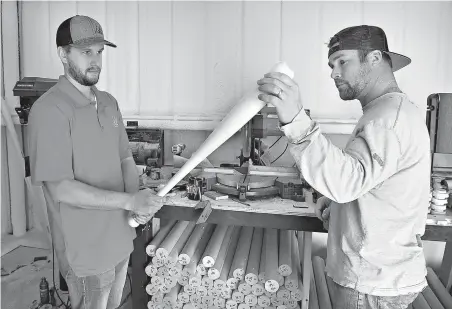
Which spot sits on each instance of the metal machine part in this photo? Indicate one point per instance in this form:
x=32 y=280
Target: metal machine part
x=147 y=146
x=29 y=89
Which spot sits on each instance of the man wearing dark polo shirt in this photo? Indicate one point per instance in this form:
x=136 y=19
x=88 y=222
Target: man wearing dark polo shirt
x=79 y=154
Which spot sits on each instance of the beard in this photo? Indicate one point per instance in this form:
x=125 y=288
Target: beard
x=82 y=77
x=350 y=91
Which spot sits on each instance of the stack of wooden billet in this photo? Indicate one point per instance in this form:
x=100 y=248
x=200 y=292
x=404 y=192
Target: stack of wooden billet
x=219 y=266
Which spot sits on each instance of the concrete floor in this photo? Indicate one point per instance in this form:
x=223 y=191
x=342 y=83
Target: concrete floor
x=21 y=276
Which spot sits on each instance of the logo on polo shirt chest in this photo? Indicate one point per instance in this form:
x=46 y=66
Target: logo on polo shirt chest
x=115 y=121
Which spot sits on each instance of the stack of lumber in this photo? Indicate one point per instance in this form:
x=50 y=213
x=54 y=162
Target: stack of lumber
x=220 y=266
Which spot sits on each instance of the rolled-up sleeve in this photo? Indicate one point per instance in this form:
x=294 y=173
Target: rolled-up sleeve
x=50 y=145
x=343 y=175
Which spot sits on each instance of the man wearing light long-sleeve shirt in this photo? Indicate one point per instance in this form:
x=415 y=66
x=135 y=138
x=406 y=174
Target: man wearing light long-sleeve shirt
x=376 y=190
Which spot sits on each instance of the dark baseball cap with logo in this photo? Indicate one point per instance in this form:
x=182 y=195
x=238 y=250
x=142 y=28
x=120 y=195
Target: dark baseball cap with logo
x=80 y=31
x=367 y=38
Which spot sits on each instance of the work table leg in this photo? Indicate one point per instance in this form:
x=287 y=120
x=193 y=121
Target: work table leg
x=307 y=249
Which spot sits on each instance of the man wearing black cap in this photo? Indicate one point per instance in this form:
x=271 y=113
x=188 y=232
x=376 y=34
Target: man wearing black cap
x=79 y=154
x=376 y=190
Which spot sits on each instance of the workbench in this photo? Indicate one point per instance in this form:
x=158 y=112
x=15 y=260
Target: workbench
x=266 y=213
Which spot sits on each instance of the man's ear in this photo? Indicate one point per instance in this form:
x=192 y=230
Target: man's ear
x=62 y=54
x=375 y=57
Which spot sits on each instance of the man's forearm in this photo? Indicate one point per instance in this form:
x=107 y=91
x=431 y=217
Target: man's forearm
x=130 y=175
x=81 y=195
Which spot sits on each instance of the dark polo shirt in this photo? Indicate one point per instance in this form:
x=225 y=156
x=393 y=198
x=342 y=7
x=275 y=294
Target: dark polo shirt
x=70 y=139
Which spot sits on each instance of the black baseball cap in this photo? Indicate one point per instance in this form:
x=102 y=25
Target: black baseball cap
x=80 y=31
x=368 y=38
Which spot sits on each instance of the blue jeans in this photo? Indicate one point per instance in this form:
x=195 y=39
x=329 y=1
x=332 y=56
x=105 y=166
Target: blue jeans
x=103 y=291
x=347 y=298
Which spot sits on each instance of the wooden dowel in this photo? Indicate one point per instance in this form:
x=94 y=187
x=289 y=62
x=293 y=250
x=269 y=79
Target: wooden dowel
x=196 y=243
x=191 y=261
x=183 y=296
x=252 y=268
x=219 y=302
x=226 y=293
x=207 y=300
x=231 y=304
x=202 y=292
x=159 y=237
x=285 y=252
x=158 y=298
x=207 y=282
x=438 y=288
x=291 y=303
x=263 y=301
x=157 y=280
x=195 y=299
x=171 y=298
x=183 y=280
x=152 y=289
x=225 y=270
x=271 y=260
x=330 y=285
x=431 y=299
x=305 y=242
x=170 y=281
x=151 y=270
x=257 y=289
x=190 y=290
x=320 y=283
x=244 y=288
x=251 y=300
x=158 y=261
x=214 y=245
x=283 y=293
x=171 y=239
x=243 y=306
x=261 y=275
x=238 y=297
x=242 y=252
x=313 y=296
x=214 y=271
x=291 y=281
x=420 y=302
x=195 y=280
x=173 y=256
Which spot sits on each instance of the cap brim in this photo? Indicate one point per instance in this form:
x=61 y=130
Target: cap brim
x=88 y=42
x=398 y=61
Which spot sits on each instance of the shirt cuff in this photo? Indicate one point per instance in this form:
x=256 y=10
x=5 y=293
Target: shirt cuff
x=299 y=128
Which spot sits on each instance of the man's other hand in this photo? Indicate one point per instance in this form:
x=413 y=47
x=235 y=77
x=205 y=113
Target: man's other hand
x=283 y=92
x=322 y=210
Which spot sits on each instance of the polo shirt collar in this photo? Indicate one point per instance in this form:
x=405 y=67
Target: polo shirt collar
x=70 y=90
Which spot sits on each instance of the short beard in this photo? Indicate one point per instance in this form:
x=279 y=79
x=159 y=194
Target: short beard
x=351 y=92
x=82 y=78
